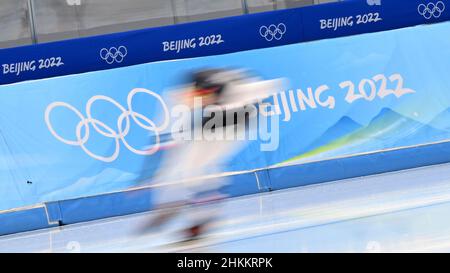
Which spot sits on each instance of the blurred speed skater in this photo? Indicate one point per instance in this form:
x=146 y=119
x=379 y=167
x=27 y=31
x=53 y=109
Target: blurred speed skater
x=222 y=106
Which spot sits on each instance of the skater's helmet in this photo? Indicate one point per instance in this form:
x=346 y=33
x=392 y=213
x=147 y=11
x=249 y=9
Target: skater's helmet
x=213 y=83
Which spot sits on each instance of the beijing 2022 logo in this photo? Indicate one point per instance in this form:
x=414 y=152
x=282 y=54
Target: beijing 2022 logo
x=113 y=54
x=431 y=9
x=272 y=32
x=117 y=134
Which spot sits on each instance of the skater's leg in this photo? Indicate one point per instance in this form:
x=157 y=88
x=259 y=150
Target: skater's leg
x=206 y=193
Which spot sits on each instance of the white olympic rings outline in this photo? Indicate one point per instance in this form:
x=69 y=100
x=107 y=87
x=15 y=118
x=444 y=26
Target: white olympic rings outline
x=273 y=31
x=73 y=2
x=374 y=2
x=113 y=54
x=431 y=9
x=104 y=130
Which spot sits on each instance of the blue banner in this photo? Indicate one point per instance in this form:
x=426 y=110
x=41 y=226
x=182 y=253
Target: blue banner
x=214 y=37
x=365 y=16
x=89 y=134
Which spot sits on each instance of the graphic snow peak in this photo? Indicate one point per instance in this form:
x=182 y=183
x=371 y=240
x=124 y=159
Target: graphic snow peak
x=387 y=130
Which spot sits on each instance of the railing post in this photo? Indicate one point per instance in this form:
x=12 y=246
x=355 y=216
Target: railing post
x=174 y=12
x=32 y=21
x=245 y=7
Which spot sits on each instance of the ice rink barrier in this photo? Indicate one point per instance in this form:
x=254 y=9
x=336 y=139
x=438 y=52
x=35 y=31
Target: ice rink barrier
x=218 y=36
x=64 y=212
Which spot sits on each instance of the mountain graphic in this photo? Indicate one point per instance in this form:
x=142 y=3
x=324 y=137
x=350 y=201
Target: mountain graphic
x=388 y=129
x=341 y=128
x=442 y=120
x=108 y=180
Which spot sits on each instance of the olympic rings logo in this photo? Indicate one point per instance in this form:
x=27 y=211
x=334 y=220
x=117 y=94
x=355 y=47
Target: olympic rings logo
x=273 y=31
x=113 y=54
x=431 y=10
x=74 y=2
x=104 y=130
x=374 y=2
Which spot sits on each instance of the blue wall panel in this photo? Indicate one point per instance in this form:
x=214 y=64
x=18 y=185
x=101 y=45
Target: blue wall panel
x=356 y=166
x=23 y=220
x=102 y=206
